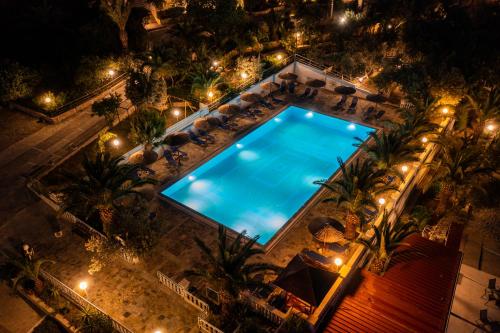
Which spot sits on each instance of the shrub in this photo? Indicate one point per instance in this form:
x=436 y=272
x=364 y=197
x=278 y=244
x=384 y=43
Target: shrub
x=16 y=81
x=107 y=108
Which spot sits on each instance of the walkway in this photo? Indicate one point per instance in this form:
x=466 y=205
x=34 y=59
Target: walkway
x=47 y=146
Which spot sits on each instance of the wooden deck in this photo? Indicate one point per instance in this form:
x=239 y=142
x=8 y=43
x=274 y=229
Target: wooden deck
x=414 y=295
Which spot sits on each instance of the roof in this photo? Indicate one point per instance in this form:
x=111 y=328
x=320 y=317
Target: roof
x=305 y=281
x=414 y=294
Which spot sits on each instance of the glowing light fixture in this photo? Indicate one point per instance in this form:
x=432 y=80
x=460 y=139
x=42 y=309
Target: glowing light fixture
x=490 y=127
x=445 y=110
x=338 y=262
x=47 y=99
x=111 y=72
x=424 y=139
x=116 y=142
x=404 y=168
x=279 y=56
x=309 y=114
x=343 y=20
x=191 y=178
x=215 y=63
x=239 y=145
x=210 y=94
x=244 y=75
x=351 y=127
x=83 y=285
x=381 y=201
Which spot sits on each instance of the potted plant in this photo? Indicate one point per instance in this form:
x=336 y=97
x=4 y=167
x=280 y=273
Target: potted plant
x=387 y=239
x=28 y=274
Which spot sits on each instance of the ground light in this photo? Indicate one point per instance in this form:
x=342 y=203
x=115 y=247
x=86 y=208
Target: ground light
x=111 y=72
x=490 y=127
x=279 y=56
x=215 y=63
x=343 y=20
x=338 y=262
x=424 y=139
x=116 y=142
x=244 y=75
x=404 y=168
x=47 y=100
x=210 y=94
x=445 y=110
x=176 y=113
x=381 y=201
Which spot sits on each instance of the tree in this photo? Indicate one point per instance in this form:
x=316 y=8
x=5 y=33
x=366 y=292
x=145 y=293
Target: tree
x=230 y=265
x=119 y=12
x=16 y=81
x=389 y=150
x=355 y=190
x=104 y=181
x=92 y=321
x=459 y=164
x=387 y=239
x=147 y=126
x=415 y=124
x=204 y=81
x=483 y=107
x=107 y=108
x=139 y=88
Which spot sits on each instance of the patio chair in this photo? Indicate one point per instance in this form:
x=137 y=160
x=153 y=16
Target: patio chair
x=256 y=112
x=489 y=292
x=483 y=322
x=196 y=139
x=225 y=124
x=313 y=94
x=291 y=88
x=340 y=103
x=379 y=115
x=368 y=113
x=282 y=89
x=352 y=107
x=176 y=151
x=276 y=100
x=305 y=93
x=170 y=159
x=266 y=104
x=205 y=135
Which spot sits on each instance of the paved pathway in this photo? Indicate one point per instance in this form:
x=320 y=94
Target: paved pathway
x=44 y=147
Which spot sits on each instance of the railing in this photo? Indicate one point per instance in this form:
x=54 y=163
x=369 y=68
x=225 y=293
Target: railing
x=206 y=327
x=80 y=301
x=181 y=291
x=263 y=308
x=311 y=63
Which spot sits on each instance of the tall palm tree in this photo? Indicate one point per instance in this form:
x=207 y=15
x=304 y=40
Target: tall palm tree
x=459 y=164
x=483 y=107
x=355 y=190
x=104 y=181
x=389 y=150
x=230 y=265
x=387 y=239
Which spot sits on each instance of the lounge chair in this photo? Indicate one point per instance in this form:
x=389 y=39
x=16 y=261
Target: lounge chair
x=291 y=88
x=176 y=151
x=255 y=112
x=305 y=93
x=205 y=135
x=224 y=123
x=266 y=104
x=276 y=100
x=170 y=159
x=283 y=87
x=352 y=107
x=196 y=139
x=340 y=104
x=313 y=94
x=368 y=113
x=379 y=115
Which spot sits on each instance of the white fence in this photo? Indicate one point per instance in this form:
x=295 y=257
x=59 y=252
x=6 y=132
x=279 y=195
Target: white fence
x=80 y=301
x=181 y=291
x=206 y=327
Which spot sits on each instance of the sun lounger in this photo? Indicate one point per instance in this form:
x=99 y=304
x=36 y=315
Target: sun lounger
x=291 y=88
x=379 y=115
x=276 y=100
x=205 y=135
x=266 y=104
x=368 y=113
x=224 y=123
x=340 y=104
x=305 y=93
x=170 y=159
x=283 y=87
x=176 y=151
x=196 y=139
x=313 y=94
x=352 y=107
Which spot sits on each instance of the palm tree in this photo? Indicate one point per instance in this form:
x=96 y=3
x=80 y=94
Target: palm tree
x=204 y=81
x=104 y=181
x=118 y=11
x=389 y=150
x=459 y=164
x=483 y=107
x=229 y=264
x=387 y=239
x=415 y=124
x=29 y=270
x=147 y=126
x=355 y=190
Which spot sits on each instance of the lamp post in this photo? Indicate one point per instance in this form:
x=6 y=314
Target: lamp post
x=338 y=263
x=83 y=285
x=176 y=113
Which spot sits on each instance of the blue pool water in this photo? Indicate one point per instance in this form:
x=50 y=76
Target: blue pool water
x=258 y=183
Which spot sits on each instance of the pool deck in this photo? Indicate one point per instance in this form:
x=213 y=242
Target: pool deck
x=131 y=293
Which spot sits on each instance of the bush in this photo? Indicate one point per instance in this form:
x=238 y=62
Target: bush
x=50 y=101
x=16 y=81
x=94 y=71
x=107 y=108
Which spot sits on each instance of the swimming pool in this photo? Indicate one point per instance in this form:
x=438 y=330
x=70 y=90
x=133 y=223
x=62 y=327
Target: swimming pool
x=261 y=181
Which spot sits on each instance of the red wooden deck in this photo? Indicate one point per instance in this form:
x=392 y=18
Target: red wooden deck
x=414 y=295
